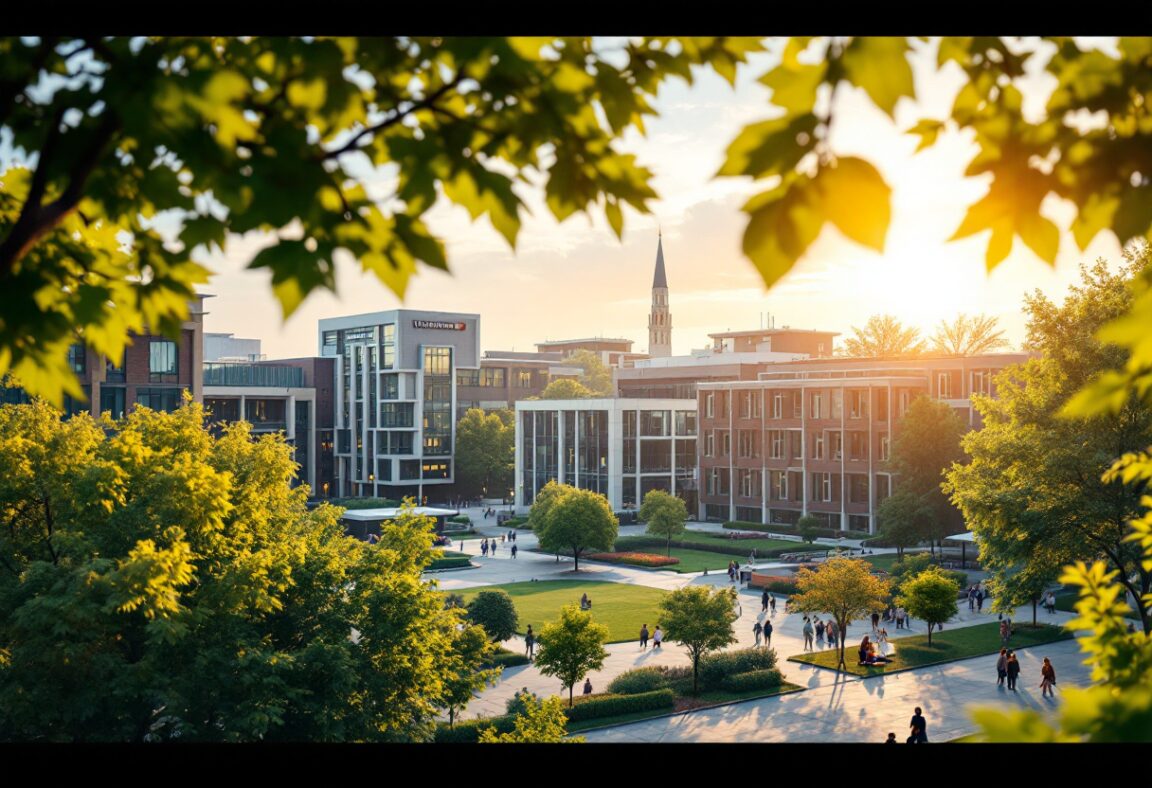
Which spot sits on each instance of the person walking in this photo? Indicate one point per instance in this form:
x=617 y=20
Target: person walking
x=529 y=643
x=832 y=633
x=1012 y=670
x=1005 y=632
x=901 y=618
x=492 y=547
x=820 y=632
x=513 y=551
x=919 y=727
x=756 y=630
x=1048 y=680
x=484 y=548
x=643 y=637
x=1001 y=665
x=771 y=603
x=767 y=634
x=808 y=630
x=980 y=601
x=657 y=638
x=764 y=598
x=587 y=686
x=971 y=599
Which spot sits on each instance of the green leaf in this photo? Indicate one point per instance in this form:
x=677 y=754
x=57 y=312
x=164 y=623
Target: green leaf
x=615 y=218
x=880 y=66
x=782 y=224
x=309 y=94
x=770 y=147
x=856 y=199
x=206 y=230
x=927 y=130
x=794 y=86
x=1095 y=214
x=296 y=272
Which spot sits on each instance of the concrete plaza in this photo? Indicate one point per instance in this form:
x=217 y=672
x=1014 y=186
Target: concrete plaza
x=832 y=707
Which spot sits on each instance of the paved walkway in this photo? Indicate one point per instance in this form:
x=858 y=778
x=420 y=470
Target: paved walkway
x=832 y=707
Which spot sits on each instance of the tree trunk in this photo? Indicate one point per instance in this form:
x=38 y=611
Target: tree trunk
x=575 y=559
x=1033 y=611
x=571 y=687
x=695 y=675
x=843 y=627
x=931 y=625
x=451 y=718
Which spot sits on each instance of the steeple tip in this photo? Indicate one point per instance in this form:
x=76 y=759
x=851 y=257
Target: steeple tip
x=660 y=279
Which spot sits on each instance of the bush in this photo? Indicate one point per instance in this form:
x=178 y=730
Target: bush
x=634 y=559
x=463 y=519
x=518 y=703
x=507 y=659
x=516 y=522
x=766 y=679
x=493 y=609
x=776 y=584
x=450 y=560
x=776 y=528
x=597 y=706
x=638 y=680
x=365 y=503
x=468 y=731
x=632 y=542
x=715 y=667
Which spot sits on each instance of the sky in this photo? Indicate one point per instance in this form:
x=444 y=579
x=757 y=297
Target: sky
x=576 y=279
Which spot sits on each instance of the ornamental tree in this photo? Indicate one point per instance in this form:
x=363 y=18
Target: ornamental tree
x=700 y=619
x=665 y=514
x=575 y=520
x=571 y=648
x=495 y=611
x=930 y=596
x=844 y=588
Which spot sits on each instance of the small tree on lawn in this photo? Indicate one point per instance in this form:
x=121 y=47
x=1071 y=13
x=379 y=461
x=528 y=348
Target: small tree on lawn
x=571 y=648
x=665 y=515
x=700 y=619
x=845 y=588
x=576 y=520
x=494 y=610
x=472 y=647
x=930 y=596
x=904 y=519
x=807 y=527
x=543 y=722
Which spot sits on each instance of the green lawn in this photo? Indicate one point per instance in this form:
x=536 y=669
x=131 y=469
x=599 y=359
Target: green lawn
x=1067 y=603
x=622 y=608
x=947 y=646
x=699 y=560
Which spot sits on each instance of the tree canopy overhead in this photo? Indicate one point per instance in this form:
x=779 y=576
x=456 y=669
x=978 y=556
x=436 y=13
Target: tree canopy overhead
x=232 y=135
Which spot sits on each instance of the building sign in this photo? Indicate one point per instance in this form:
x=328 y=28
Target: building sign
x=439 y=324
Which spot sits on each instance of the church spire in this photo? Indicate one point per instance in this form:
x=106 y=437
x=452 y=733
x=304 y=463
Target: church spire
x=660 y=318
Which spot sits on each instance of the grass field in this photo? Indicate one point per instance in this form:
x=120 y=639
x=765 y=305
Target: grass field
x=622 y=608
x=947 y=646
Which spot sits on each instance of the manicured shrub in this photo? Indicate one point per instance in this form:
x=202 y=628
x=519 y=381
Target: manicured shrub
x=638 y=680
x=518 y=703
x=766 y=679
x=634 y=559
x=494 y=610
x=461 y=518
x=507 y=659
x=365 y=503
x=636 y=542
x=597 y=706
x=468 y=731
x=714 y=668
x=450 y=560
x=792 y=530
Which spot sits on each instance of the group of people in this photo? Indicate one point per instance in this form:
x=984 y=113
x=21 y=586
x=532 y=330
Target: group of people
x=976 y=596
x=876 y=649
x=488 y=545
x=767 y=603
x=1008 y=670
x=816 y=631
x=657 y=637
x=763 y=631
x=734 y=571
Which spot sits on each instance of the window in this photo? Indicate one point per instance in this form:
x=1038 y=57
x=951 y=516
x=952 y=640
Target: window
x=885 y=446
x=748 y=444
x=944 y=385
x=779 y=482
x=797 y=405
x=796 y=440
x=837 y=404
x=822 y=487
x=776 y=444
x=858 y=405
x=818 y=446
x=749 y=483
x=112 y=401
x=709 y=443
x=387 y=346
x=817 y=405
x=166 y=400
x=78 y=359
x=330 y=338
x=982 y=382
x=655 y=423
x=882 y=405
x=904 y=399
x=437 y=360
x=858 y=488
x=723 y=404
x=726 y=444
x=162 y=361
x=858 y=445
x=710 y=404
x=467 y=377
x=718 y=481
x=523 y=378
x=685 y=422
x=836 y=444
x=493 y=377
x=778 y=405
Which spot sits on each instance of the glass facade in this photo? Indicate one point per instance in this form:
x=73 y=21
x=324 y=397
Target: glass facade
x=166 y=399
x=163 y=361
x=437 y=404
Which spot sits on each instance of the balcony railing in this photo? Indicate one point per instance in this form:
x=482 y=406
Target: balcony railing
x=217 y=374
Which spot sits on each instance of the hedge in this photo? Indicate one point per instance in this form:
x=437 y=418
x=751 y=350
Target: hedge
x=451 y=560
x=516 y=522
x=597 y=706
x=714 y=668
x=638 y=680
x=829 y=533
x=463 y=519
x=635 y=559
x=506 y=659
x=468 y=731
x=365 y=503
x=776 y=584
x=630 y=542
x=769 y=678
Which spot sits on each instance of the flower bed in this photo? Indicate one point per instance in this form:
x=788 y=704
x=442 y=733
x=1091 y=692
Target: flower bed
x=635 y=559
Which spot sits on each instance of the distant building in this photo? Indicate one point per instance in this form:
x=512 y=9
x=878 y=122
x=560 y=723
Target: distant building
x=620 y=448
x=614 y=352
x=155 y=372
x=228 y=347
x=504 y=378
x=292 y=396
x=395 y=398
x=660 y=316
x=814 y=436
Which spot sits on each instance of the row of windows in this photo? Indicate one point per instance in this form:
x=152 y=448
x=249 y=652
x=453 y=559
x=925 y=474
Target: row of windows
x=787 y=486
x=788 y=444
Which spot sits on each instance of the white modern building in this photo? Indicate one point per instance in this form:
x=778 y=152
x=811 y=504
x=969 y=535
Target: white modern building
x=621 y=448
x=395 y=395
